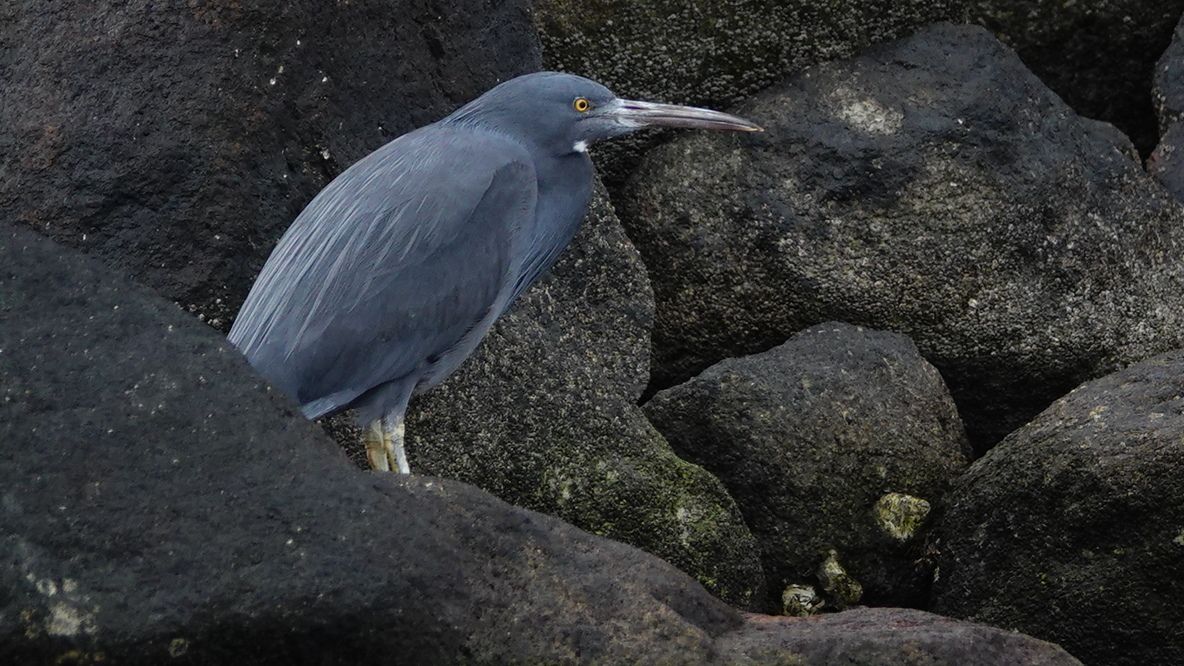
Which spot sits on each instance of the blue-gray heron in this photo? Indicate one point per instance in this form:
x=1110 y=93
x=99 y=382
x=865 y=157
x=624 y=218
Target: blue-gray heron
x=394 y=273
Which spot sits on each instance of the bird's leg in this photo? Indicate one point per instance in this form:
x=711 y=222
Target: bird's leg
x=393 y=429
x=375 y=439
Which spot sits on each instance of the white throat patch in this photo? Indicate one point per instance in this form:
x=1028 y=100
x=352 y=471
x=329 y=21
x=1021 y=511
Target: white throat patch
x=580 y=147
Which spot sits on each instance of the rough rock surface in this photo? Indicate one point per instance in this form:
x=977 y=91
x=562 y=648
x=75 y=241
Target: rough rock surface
x=887 y=636
x=713 y=52
x=1167 y=161
x=544 y=415
x=1072 y=529
x=932 y=187
x=1098 y=55
x=177 y=141
x=819 y=440
x=1169 y=82
x=158 y=504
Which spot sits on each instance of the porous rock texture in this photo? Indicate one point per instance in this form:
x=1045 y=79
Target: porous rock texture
x=544 y=415
x=159 y=504
x=1168 y=91
x=1098 y=55
x=1167 y=161
x=1072 y=529
x=712 y=52
x=177 y=141
x=932 y=187
x=828 y=443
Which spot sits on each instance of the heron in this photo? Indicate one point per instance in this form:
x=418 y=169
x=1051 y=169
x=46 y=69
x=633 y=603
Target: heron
x=392 y=275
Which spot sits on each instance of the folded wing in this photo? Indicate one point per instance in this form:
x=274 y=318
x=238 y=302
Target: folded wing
x=390 y=266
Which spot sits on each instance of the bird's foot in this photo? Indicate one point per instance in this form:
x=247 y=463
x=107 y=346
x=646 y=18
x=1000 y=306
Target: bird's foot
x=384 y=446
x=376 y=447
x=396 y=457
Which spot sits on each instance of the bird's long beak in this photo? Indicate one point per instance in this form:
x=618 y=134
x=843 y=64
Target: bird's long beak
x=648 y=114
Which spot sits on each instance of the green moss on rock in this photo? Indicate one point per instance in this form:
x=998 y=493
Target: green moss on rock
x=808 y=437
x=800 y=601
x=900 y=516
x=840 y=587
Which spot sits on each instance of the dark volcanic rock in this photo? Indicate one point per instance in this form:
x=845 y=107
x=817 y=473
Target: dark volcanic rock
x=933 y=187
x=177 y=141
x=1072 y=529
x=155 y=499
x=836 y=443
x=1167 y=162
x=888 y=636
x=1098 y=55
x=713 y=52
x=158 y=504
x=544 y=415
x=718 y=52
x=1169 y=82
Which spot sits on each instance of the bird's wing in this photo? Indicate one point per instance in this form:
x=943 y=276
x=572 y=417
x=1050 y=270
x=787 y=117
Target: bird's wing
x=390 y=265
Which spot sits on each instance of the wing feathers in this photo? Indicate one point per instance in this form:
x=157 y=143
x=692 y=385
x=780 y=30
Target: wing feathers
x=396 y=261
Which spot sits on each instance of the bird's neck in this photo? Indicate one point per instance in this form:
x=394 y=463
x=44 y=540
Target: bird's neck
x=565 y=187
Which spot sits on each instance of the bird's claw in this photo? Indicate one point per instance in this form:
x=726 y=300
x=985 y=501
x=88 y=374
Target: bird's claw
x=384 y=447
x=376 y=451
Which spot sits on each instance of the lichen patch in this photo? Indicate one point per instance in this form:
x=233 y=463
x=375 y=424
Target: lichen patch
x=67 y=620
x=866 y=114
x=900 y=516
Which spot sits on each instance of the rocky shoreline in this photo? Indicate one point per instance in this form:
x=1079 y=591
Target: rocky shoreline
x=897 y=381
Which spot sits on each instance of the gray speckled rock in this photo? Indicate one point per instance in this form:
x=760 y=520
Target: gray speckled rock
x=1098 y=55
x=932 y=187
x=544 y=415
x=1167 y=161
x=1168 y=91
x=1072 y=529
x=713 y=52
x=818 y=440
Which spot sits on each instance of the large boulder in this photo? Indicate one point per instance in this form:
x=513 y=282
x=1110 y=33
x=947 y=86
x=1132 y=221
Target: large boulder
x=1098 y=55
x=932 y=187
x=1072 y=529
x=177 y=141
x=545 y=416
x=712 y=53
x=836 y=445
x=158 y=503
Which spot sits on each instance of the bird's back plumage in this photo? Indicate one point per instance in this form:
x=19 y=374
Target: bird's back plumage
x=394 y=272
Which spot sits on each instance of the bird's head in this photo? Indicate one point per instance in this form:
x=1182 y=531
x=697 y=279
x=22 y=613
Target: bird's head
x=564 y=113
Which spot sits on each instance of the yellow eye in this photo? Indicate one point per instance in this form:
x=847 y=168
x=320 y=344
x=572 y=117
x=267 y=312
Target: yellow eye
x=582 y=105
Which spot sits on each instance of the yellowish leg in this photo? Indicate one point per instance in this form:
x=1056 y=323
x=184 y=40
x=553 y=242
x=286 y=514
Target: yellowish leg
x=396 y=457
x=376 y=446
